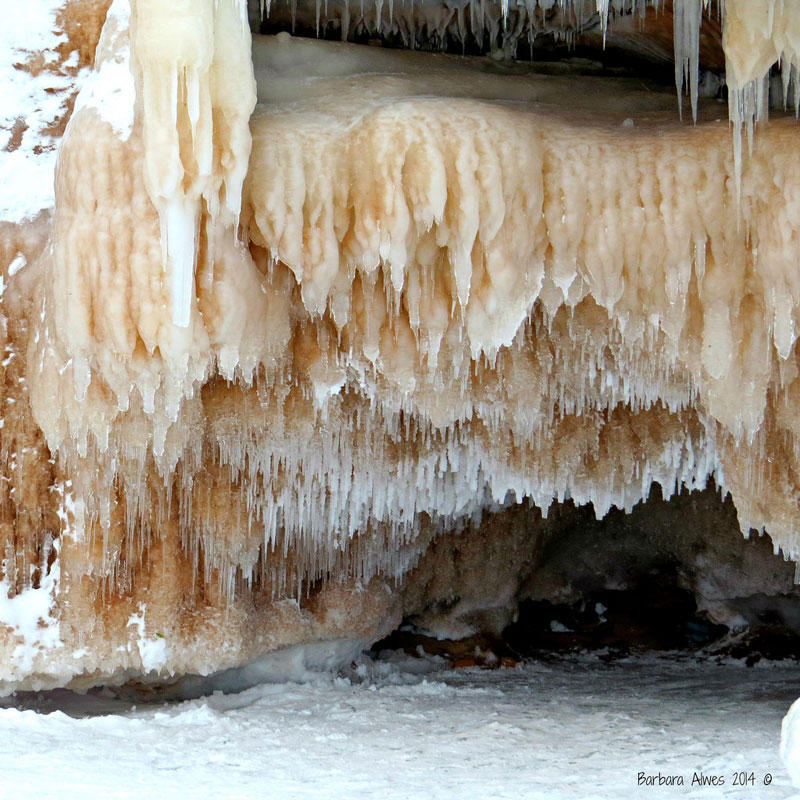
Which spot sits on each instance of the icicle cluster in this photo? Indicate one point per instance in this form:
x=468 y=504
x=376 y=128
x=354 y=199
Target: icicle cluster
x=758 y=34
x=196 y=94
x=494 y=26
x=455 y=293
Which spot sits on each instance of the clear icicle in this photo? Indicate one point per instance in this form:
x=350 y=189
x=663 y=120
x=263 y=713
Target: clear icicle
x=687 y=19
x=180 y=236
x=603 y=11
x=345 y=19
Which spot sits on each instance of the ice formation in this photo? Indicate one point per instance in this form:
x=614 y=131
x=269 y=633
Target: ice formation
x=302 y=308
x=790 y=742
x=196 y=94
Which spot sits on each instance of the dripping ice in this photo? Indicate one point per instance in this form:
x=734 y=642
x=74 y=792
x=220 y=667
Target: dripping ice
x=374 y=329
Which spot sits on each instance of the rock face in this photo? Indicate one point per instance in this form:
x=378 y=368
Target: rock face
x=303 y=330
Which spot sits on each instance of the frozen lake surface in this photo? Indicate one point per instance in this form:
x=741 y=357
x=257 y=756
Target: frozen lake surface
x=409 y=728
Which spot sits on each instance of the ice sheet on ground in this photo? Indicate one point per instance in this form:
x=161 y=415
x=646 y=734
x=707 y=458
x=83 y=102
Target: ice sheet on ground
x=570 y=729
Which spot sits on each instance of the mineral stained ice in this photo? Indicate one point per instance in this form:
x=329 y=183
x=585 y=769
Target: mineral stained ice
x=300 y=308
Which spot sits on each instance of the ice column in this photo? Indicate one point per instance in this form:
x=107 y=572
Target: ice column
x=196 y=92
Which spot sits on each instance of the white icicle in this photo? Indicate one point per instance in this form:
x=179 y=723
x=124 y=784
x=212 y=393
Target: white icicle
x=181 y=239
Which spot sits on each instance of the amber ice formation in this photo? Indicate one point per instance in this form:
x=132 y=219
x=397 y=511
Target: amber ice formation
x=301 y=309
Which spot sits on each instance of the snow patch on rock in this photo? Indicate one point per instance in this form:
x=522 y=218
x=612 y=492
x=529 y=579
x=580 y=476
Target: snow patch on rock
x=152 y=649
x=110 y=89
x=30 y=614
x=32 y=101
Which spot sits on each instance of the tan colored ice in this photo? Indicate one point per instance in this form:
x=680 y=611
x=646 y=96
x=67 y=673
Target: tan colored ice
x=244 y=389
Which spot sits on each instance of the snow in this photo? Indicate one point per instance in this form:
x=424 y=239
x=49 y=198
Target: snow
x=409 y=729
x=790 y=742
x=30 y=103
x=29 y=614
x=152 y=649
x=110 y=88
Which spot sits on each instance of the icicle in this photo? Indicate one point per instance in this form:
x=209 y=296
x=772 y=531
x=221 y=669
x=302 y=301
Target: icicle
x=687 y=19
x=602 y=9
x=180 y=236
x=795 y=84
x=345 y=19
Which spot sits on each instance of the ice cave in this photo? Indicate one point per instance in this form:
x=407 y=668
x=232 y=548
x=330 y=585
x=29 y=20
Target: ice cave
x=461 y=329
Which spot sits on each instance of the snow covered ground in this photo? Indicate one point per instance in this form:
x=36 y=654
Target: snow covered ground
x=410 y=729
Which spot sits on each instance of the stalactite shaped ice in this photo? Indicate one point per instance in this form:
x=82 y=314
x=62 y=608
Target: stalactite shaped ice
x=687 y=17
x=193 y=67
x=173 y=44
x=110 y=338
x=757 y=35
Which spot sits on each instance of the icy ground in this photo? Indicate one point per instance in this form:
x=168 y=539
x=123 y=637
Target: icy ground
x=410 y=729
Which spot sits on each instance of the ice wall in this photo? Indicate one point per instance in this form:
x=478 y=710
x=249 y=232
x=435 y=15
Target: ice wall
x=432 y=235
x=246 y=386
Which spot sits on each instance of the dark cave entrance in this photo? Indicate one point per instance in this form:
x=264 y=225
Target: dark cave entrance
x=673 y=577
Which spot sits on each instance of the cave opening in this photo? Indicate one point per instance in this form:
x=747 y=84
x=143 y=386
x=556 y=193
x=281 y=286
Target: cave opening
x=674 y=578
x=550 y=39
